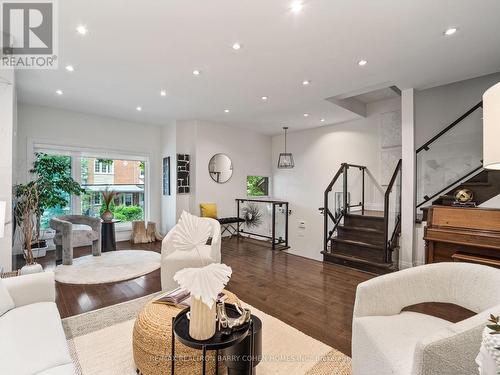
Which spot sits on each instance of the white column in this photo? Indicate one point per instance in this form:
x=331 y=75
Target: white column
x=7 y=102
x=408 y=179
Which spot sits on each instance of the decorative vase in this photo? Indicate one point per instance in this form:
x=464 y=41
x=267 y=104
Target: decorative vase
x=107 y=215
x=202 y=320
x=31 y=268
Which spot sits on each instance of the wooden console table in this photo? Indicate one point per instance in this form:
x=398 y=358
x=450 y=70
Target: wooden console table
x=463 y=235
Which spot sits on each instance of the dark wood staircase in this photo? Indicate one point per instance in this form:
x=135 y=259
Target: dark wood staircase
x=359 y=243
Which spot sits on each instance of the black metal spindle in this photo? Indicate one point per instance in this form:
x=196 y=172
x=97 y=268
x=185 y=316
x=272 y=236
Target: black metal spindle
x=346 y=205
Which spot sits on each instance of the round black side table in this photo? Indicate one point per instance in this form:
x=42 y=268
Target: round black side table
x=108 y=237
x=237 y=357
x=220 y=341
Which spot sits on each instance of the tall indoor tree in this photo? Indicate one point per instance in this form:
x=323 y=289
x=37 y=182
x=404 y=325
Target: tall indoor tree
x=53 y=184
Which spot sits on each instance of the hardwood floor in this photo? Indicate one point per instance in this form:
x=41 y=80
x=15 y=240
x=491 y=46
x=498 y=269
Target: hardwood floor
x=314 y=297
x=75 y=299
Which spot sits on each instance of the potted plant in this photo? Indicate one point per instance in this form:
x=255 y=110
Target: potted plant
x=52 y=184
x=25 y=215
x=107 y=197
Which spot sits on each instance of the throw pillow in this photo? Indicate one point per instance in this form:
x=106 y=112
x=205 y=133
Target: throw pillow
x=6 y=302
x=208 y=210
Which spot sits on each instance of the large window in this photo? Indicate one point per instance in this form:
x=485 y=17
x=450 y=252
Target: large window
x=257 y=186
x=125 y=176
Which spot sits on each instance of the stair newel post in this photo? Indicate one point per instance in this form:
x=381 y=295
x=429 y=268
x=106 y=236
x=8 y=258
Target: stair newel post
x=346 y=205
x=363 y=191
x=386 y=224
x=325 y=220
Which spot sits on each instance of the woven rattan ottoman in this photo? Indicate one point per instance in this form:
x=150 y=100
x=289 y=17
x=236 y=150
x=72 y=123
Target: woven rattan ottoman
x=152 y=340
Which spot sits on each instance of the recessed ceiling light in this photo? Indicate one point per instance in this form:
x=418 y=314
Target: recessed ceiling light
x=139 y=109
x=306 y=114
x=362 y=62
x=70 y=68
x=322 y=120
x=236 y=46
x=450 y=31
x=306 y=82
x=196 y=72
x=59 y=92
x=226 y=110
x=296 y=6
x=264 y=98
x=82 y=29
x=163 y=93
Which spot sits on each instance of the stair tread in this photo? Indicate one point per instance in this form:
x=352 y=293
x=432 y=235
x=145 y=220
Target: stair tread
x=358 y=243
x=362 y=229
x=367 y=217
x=358 y=259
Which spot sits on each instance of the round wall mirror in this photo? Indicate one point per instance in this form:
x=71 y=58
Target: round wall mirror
x=220 y=168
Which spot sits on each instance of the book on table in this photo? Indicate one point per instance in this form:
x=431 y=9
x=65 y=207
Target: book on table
x=180 y=298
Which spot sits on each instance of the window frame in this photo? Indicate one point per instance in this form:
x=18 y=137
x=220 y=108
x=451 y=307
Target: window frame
x=77 y=153
x=268 y=186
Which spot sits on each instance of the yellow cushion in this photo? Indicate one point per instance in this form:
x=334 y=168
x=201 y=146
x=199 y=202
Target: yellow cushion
x=208 y=210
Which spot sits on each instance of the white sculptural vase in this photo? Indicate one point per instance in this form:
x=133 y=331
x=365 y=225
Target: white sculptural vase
x=202 y=320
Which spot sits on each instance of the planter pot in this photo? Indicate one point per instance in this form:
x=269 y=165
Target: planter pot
x=40 y=252
x=31 y=268
x=39 y=249
x=202 y=320
x=107 y=215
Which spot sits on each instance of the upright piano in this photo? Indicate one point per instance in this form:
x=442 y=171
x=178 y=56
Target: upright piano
x=463 y=235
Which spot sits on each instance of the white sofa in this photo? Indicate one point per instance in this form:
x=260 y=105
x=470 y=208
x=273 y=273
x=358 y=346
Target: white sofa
x=32 y=339
x=185 y=246
x=387 y=341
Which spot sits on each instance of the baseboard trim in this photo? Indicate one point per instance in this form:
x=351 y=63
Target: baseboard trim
x=374 y=206
x=403 y=265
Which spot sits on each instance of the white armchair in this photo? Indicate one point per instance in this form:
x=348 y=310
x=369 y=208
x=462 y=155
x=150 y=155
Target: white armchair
x=193 y=242
x=388 y=341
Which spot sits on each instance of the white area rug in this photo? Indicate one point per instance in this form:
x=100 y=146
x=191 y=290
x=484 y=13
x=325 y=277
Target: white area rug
x=109 y=267
x=100 y=342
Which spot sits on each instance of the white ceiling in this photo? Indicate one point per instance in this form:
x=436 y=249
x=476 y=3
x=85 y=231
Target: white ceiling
x=135 y=48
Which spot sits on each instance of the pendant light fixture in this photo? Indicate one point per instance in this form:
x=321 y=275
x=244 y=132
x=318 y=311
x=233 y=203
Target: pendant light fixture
x=491 y=127
x=285 y=160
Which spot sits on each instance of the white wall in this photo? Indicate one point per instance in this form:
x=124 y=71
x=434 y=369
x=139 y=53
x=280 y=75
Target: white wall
x=7 y=127
x=65 y=128
x=438 y=107
x=318 y=154
x=168 y=202
x=250 y=153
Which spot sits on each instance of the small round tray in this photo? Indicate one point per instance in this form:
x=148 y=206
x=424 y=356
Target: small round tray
x=219 y=341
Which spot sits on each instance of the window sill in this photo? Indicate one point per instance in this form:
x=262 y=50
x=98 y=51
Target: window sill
x=123 y=227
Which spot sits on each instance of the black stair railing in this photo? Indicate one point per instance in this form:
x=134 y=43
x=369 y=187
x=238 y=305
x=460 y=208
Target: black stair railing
x=457 y=139
x=336 y=217
x=392 y=226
